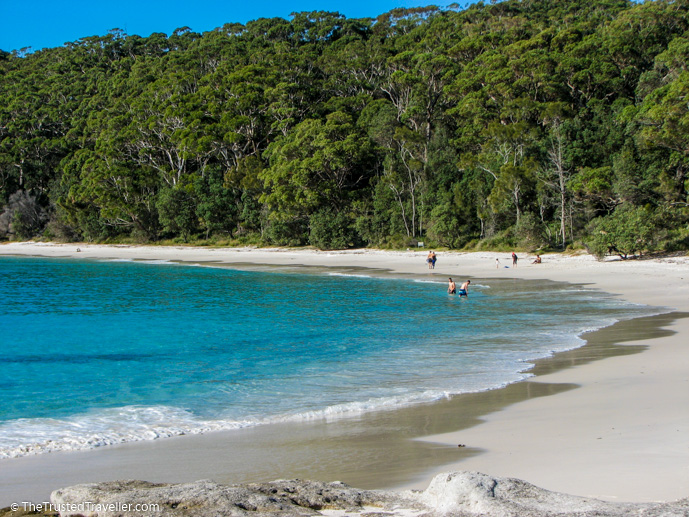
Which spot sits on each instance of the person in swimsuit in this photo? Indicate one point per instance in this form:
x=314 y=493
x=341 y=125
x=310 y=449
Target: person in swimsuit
x=452 y=287
x=464 y=289
x=430 y=260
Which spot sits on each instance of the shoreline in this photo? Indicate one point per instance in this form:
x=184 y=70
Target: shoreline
x=533 y=438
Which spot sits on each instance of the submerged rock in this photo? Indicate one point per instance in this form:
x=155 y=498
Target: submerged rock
x=460 y=494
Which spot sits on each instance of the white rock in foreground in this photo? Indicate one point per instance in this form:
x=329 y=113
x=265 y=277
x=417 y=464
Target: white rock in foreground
x=455 y=494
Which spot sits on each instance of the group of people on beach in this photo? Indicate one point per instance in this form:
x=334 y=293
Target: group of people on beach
x=452 y=287
x=515 y=260
x=464 y=288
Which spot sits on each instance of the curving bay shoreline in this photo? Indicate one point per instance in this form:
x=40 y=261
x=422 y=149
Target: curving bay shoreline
x=615 y=428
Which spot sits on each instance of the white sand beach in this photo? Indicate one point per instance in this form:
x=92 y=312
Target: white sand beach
x=622 y=435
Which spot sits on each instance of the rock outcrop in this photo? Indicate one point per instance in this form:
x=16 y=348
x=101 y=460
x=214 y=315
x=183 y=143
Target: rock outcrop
x=207 y=498
x=473 y=494
x=460 y=494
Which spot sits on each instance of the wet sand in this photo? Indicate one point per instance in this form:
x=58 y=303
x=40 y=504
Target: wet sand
x=524 y=430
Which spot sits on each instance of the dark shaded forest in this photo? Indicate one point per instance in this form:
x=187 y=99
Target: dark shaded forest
x=529 y=124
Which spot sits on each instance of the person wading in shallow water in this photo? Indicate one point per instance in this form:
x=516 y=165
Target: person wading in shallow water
x=464 y=289
x=452 y=287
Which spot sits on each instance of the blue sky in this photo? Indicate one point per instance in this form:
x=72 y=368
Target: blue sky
x=51 y=23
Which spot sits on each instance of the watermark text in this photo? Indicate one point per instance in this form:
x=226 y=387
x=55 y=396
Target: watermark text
x=85 y=507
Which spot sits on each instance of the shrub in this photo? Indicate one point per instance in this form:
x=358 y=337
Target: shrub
x=331 y=230
x=177 y=212
x=22 y=217
x=530 y=232
x=503 y=241
x=286 y=232
x=445 y=227
x=627 y=231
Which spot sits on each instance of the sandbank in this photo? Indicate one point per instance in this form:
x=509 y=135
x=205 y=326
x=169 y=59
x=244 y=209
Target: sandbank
x=615 y=428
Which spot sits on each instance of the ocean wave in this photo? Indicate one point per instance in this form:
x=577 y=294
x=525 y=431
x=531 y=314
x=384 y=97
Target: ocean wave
x=150 y=262
x=158 y=262
x=114 y=426
x=32 y=436
x=350 y=409
x=351 y=275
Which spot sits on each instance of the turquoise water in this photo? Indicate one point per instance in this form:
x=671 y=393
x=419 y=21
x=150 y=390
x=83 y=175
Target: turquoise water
x=96 y=353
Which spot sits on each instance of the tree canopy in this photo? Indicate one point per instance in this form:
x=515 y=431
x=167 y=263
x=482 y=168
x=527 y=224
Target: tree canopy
x=521 y=123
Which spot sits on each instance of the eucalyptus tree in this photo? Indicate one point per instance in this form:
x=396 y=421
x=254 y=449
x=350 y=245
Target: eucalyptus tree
x=662 y=120
x=320 y=164
x=236 y=108
x=34 y=117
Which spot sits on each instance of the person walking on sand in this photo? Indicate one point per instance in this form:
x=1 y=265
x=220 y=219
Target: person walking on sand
x=464 y=289
x=514 y=259
x=497 y=263
x=431 y=259
x=452 y=287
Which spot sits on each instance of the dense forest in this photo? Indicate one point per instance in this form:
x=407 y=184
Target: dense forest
x=530 y=124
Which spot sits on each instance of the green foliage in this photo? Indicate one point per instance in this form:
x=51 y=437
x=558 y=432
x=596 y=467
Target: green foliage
x=177 y=212
x=511 y=123
x=445 y=227
x=504 y=241
x=216 y=204
x=627 y=231
x=287 y=232
x=22 y=218
x=317 y=164
x=331 y=230
x=530 y=233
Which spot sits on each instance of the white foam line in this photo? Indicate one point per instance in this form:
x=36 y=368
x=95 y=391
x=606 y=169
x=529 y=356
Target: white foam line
x=25 y=437
x=350 y=275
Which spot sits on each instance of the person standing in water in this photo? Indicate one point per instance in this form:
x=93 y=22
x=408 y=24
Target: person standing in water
x=464 y=289
x=452 y=287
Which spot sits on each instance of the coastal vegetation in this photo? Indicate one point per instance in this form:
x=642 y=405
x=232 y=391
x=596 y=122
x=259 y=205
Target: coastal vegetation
x=529 y=124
